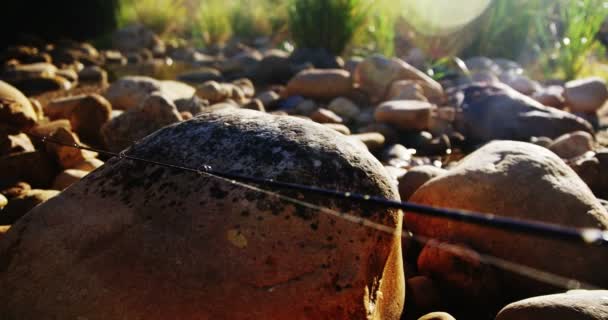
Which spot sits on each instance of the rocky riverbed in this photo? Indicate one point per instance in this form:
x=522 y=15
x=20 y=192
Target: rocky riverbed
x=86 y=236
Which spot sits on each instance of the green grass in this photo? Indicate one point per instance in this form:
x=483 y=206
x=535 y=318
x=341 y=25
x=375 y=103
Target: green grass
x=161 y=16
x=581 y=20
x=507 y=27
x=329 y=24
x=212 y=22
x=378 y=32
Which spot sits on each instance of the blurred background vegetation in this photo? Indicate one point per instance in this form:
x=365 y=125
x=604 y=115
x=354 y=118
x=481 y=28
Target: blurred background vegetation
x=551 y=38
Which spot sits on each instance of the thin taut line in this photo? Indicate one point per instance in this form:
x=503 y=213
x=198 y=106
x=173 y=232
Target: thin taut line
x=585 y=236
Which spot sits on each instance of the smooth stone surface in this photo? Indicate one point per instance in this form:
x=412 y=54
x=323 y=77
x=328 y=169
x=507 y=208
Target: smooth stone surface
x=405 y=114
x=154 y=113
x=18 y=206
x=523 y=181
x=586 y=95
x=344 y=108
x=376 y=73
x=416 y=177
x=207 y=240
x=572 y=305
x=497 y=112
x=320 y=84
x=572 y=145
x=129 y=92
x=16 y=111
x=437 y=316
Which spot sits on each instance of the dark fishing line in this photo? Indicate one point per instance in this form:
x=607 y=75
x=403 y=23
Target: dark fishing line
x=586 y=236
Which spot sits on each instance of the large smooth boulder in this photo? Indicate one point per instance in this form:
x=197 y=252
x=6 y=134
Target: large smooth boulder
x=16 y=111
x=524 y=181
x=219 y=249
x=497 y=112
x=571 y=305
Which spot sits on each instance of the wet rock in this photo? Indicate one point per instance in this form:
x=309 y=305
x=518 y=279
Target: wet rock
x=131 y=91
x=67 y=157
x=323 y=115
x=437 y=316
x=236 y=247
x=67 y=178
x=18 y=206
x=522 y=181
x=320 y=84
x=14 y=143
x=571 y=305
x=405 y=114
x=154 y=113
x=586 y=95
x=416 y=177
x=497 y=112
x=94 y=75
x=35 y=168
x=572 y=145
x=344 y=108
x=16 y=111
x=376 y=74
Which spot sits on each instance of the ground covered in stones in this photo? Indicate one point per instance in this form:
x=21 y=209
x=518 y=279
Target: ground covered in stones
x=83 y=235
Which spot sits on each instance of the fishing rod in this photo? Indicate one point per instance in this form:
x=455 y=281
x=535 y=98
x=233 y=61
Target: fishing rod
x=586 y=236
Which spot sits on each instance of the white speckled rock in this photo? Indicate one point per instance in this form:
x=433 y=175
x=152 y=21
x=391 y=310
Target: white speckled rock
x=138 y=241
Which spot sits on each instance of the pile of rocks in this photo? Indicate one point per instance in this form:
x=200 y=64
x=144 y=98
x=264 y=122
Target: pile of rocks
x=491 y=140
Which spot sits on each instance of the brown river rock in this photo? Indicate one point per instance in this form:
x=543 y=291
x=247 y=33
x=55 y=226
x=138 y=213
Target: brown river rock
x=139 y=241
